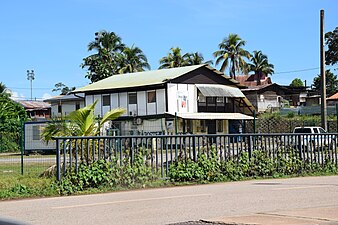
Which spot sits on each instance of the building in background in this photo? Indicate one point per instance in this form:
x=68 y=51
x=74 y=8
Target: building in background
x=62 y=105
x=36 y=110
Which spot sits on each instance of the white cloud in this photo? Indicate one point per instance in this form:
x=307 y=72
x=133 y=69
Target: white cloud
x=16 y=95
x=46 y=96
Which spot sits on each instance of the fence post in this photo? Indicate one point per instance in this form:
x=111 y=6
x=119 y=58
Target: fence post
x=22 y=142
x=58 y=160
x=254 y=122
x=250 y=146
x=337 y=117
x=194 y=148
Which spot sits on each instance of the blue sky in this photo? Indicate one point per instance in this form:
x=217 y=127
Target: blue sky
x=51 y=37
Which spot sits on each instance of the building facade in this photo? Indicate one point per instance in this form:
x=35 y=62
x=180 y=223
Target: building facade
x=193 y=99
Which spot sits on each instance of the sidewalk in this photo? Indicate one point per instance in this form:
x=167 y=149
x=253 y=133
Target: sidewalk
x=309 y=216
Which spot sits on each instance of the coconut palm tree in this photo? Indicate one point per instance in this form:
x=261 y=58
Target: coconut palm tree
x=231 y=54
x=132 y=60
x=102 y=64
x=106 y=40
x=174 y=59
x=197 y=58
x=260 y=65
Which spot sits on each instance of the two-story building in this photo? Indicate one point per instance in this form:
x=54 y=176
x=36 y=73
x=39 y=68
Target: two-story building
x=193 y=99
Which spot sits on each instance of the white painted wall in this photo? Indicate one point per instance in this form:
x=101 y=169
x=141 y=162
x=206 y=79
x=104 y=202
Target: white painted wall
x=114 y=100
x=123 y=100
x=160 y=101
x=67 y=107
x=98 y=106
x=177 y=93
x=142 y=108
x=172 y=98
x=89 y=99
x=34 y=145
x=142 y=103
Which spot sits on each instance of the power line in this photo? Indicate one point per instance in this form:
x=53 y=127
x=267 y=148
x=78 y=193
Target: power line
x=301 y=70
x=295 y=71
x=29 y=88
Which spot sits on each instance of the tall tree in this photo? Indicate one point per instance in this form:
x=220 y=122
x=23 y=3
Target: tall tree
x=260 y=65
x=331 y=83
x=132 y=60
x=331 y=55
x=231 y=54
x=102 y=64
x=174 y=59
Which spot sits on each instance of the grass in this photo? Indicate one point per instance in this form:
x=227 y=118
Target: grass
x=14 y=185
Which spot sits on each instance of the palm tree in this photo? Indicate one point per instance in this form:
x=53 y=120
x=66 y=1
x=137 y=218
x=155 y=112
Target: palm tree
x=106 y=40
x=82 y=122
x=260 y=65
x=103 y=64
x=197 y=59
x=132 y=60
x=174 y=59
x=232 y=53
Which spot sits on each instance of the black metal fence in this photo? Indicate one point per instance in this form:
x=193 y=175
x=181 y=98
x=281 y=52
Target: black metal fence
x=162 y=150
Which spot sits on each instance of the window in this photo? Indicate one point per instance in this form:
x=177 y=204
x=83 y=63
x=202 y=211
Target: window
x=132 y=98
x=59 y=108
x=106 y=100
x=151 y=96
x=36 y=133
x=77 y=105
x=201 y=98
x=220 y=99
x=211 y=100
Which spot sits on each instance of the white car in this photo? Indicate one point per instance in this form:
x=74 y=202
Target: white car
x=313 y=136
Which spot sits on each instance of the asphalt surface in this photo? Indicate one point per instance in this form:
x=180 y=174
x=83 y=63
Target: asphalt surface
x=310 y=200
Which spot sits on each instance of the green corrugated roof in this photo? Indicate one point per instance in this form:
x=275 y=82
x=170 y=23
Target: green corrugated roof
x=138 y=79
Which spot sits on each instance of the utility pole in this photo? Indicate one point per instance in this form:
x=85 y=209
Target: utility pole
x=31 y=77
x=322 y=73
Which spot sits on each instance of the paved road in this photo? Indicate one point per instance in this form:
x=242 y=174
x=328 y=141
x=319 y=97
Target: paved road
x=311 y=200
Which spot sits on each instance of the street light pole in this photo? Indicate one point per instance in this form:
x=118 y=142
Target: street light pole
x=31 y=77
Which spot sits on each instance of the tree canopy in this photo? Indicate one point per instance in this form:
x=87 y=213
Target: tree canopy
x=64 y=90
x=331 y=55
x=297 y=82
x=260 y=65
x=175 y=58
x=232 y=54
x=112 y=57
x=12 y=115
x=331 y=83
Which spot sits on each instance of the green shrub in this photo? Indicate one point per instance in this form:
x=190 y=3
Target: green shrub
x=105 y=175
